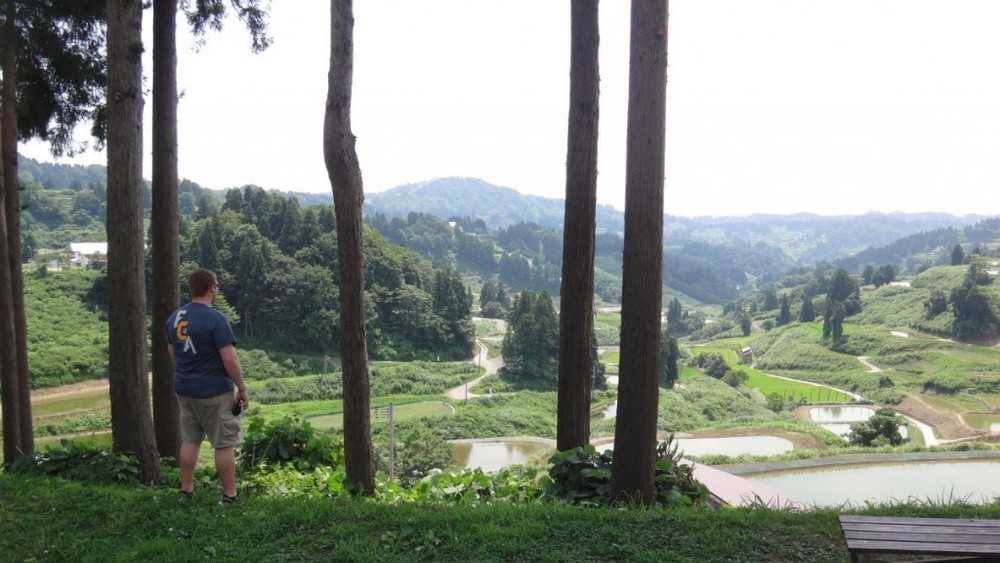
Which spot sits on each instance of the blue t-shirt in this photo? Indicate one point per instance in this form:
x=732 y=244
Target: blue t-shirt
x=197 y=332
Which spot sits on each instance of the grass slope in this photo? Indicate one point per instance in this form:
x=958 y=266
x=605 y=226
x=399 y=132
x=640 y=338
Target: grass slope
x=55 y=520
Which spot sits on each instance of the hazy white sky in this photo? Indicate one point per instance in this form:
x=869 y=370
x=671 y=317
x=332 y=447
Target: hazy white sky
x=774 y=106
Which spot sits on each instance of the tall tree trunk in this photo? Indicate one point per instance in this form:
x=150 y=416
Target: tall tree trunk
x=12 y=208
x=634 y=462
x=348 y=196
x=165 y=227
x=576 y=298
x=10 y=392
x=131 y=423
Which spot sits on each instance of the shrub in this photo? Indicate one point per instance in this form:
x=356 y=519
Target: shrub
x=285 y=481
x=735 y=378
x=258 y=365
x=882 y=429
x=89 y=422
x=514 y=485
x=418 y=451
x=288 y=441
x=583 y=476
x=80 y=462
x=294 y=389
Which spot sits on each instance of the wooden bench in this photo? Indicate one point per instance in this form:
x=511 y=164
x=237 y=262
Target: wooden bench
x=959 y=538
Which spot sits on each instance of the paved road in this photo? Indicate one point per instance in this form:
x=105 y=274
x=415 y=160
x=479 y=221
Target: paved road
x=491 y=365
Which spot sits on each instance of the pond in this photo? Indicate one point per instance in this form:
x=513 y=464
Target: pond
x=493 y=455
x=936 y=481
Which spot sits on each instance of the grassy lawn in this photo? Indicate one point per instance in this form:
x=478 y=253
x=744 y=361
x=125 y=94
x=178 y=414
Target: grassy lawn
x=56 y=520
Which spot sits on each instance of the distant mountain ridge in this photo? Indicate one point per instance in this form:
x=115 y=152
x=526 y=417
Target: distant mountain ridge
x=804 y=237
x=497 y=206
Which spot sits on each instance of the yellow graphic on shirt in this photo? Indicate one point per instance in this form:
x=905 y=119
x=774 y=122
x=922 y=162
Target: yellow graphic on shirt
x=180 y=329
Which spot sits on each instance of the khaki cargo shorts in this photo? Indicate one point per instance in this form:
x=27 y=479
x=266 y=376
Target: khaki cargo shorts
x=212 y=418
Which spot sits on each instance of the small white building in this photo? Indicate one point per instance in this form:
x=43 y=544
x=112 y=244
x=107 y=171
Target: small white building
x=80 y=253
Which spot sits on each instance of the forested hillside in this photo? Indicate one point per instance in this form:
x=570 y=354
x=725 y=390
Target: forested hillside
x=488 y=232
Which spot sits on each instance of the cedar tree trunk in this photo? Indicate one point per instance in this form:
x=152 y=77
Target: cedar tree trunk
x=576 y=310
x=633 y=468
x=348 y=196
x=165 y=223
x=131 y=423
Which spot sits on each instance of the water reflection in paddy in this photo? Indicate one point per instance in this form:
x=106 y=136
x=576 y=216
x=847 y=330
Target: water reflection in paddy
x=493 y=455
x=972 y=481
x=729 y=445
x=838 y=419
x=983 y=421
x=841 y=414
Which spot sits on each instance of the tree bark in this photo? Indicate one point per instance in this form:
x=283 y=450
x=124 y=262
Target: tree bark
x=576 y=297
x=344 y=172
x=633 y=468
x=131 y=424
x=165 y=223
x=11 y=394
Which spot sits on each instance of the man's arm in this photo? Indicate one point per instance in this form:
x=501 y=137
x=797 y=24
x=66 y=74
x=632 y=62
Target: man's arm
x=235 y=372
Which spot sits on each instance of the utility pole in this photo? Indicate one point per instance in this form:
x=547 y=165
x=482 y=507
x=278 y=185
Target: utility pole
x=392 y=445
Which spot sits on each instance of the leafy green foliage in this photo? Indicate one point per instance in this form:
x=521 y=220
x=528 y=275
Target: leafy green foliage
x=471 y=487
x=531 y=345
x=288 y=441
x=882 y=429
x=418 y=451
x=525 y=413
x=583 y=476
x=669 y=355
x=79 y=462
x=89 y=422
x=288 y=481
x=68 y=338
x=973 y=311
x=712 y=363
x=418 y=378
x=735 y=378
x=295 y=389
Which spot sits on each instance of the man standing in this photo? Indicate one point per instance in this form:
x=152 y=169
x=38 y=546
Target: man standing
x=203 y=347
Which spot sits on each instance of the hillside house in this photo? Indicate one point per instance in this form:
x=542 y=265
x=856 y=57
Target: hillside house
x=746 y=356
x=81 y=253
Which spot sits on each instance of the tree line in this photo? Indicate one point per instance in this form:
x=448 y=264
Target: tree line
x=107 y=38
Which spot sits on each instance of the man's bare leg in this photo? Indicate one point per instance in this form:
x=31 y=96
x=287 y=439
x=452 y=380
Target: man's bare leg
x=225 y=466
x=188 y=458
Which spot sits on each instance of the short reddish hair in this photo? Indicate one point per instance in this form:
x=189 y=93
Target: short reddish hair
x=201 y=281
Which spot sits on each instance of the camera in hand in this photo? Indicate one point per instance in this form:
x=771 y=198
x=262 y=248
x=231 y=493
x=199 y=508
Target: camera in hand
x=237 y=408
